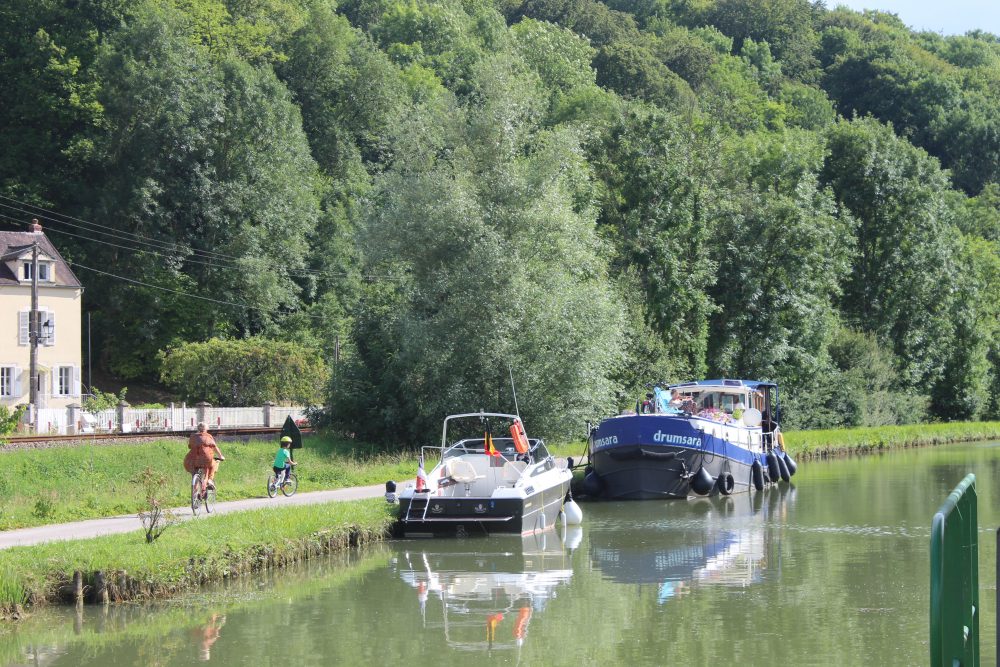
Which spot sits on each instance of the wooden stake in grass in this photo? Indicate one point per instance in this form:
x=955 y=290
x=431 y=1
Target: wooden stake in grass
x=78 y=587
x=100 y=588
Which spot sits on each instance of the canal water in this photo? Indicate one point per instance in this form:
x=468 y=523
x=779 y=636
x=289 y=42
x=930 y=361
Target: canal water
x=831 y=570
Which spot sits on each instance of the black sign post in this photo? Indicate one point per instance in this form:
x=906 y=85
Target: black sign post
x=291 y=429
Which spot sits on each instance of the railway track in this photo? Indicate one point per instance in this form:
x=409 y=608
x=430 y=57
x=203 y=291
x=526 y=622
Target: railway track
x=37 y=441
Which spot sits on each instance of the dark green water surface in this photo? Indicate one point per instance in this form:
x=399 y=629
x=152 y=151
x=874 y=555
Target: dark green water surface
x=832 y=570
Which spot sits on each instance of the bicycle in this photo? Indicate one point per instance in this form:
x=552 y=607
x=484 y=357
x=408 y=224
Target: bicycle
x=287 y=485
x=201 y=492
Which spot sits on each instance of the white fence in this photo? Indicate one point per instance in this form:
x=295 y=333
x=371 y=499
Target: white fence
x=126 y=419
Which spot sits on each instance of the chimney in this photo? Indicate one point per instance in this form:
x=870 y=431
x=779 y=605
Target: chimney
x=34 y=227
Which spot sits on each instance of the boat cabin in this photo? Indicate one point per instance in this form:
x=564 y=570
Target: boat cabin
x=725 y=400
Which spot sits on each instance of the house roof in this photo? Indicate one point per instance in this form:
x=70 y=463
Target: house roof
x=13 y=243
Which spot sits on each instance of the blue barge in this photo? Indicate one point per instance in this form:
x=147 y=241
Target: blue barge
x=696 y=438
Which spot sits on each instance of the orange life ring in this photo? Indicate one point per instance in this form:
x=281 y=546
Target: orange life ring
x=520 y=437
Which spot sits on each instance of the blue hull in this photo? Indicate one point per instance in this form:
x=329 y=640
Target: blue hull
x=656 y=456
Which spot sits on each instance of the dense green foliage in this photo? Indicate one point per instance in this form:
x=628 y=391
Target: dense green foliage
x=436 y=194
x=232 y=373
x=9 y=419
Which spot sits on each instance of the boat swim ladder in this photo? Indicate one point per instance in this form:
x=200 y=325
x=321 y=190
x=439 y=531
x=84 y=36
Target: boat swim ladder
x=411 y=511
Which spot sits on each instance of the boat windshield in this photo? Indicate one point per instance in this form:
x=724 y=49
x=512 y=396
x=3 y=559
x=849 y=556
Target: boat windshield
x=718 y=400
x=539 y=451
x=719 y=403
x=503 y=446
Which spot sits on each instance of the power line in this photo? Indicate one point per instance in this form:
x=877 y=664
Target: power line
x=162 y=245
x=152 y=286
x=125 y=247
x=219 y=259
x=174 y=291
x=100 y=229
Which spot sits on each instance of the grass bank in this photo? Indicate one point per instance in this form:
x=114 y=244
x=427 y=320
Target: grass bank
x=830 y=442
x=99 y=627
x=187 y=555
x=73 y=483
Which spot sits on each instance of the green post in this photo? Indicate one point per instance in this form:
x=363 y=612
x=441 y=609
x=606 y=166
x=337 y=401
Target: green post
x=954 y=639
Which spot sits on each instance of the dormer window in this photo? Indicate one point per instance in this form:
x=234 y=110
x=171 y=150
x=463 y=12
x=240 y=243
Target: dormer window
x=44 y=271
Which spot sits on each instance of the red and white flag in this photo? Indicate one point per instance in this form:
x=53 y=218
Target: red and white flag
x=421 y=475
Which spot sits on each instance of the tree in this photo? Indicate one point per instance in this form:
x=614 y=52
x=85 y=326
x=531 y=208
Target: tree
x=787 y=25
x=236 y=373
x=659 y=171
x=784 y=246
x=901 y=283
x=207 y=158
x=486 y=216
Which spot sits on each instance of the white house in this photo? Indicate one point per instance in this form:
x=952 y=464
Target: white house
x=60 y=295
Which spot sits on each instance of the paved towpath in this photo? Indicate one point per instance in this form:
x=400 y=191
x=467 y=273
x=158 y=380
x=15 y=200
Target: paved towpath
x=124 y=524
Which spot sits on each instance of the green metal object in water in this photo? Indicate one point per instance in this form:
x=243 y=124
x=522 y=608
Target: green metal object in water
x=955 y=579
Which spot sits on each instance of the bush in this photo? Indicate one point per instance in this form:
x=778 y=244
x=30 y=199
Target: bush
x=244 y=372
x=103 y=400
x=9 y=419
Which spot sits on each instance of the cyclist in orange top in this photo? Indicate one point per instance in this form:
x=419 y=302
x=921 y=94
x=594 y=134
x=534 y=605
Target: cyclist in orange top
x=202 y=451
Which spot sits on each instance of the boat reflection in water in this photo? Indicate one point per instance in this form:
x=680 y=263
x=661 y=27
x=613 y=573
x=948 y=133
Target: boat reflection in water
x=486 y=590
x=725 y=541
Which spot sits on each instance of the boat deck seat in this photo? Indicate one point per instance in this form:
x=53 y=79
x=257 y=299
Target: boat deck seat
x=462 y=471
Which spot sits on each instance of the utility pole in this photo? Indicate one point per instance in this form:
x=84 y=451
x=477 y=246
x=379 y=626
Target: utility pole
x=33 y=335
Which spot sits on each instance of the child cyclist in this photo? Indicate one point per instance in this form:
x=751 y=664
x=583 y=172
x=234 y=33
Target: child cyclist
x=283 y=460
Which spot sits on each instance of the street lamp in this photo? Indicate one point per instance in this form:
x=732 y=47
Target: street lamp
x=46 y=331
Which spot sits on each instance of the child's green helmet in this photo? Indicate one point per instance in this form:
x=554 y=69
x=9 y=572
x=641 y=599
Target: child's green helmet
x=286 y=438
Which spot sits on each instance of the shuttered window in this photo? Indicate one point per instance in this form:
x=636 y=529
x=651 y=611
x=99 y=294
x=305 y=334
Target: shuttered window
x=22 y=328
x=50 y=317
x=7 y=381
x=66 y=381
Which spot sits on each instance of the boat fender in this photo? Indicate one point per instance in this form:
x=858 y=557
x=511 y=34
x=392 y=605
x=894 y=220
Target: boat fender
x=772 y=467
x=569 y=462
x=782 y=468
x=592 y=485
x=572 y=512
x=789 y=463
x=726 y=483
x=390 y=491
x=702 y=482
x=757 y=474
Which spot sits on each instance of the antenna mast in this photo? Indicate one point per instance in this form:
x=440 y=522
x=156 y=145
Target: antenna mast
x=512 y=390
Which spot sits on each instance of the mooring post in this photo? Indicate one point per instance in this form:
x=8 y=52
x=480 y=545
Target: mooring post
x=120 y=592
x=100 y=588
x=78 y=587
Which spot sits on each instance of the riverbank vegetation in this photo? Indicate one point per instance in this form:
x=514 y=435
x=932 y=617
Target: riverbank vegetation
x=188 y=555
x=433 y=195
x=63 y=484
x=98 y=626
x=826 y=442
